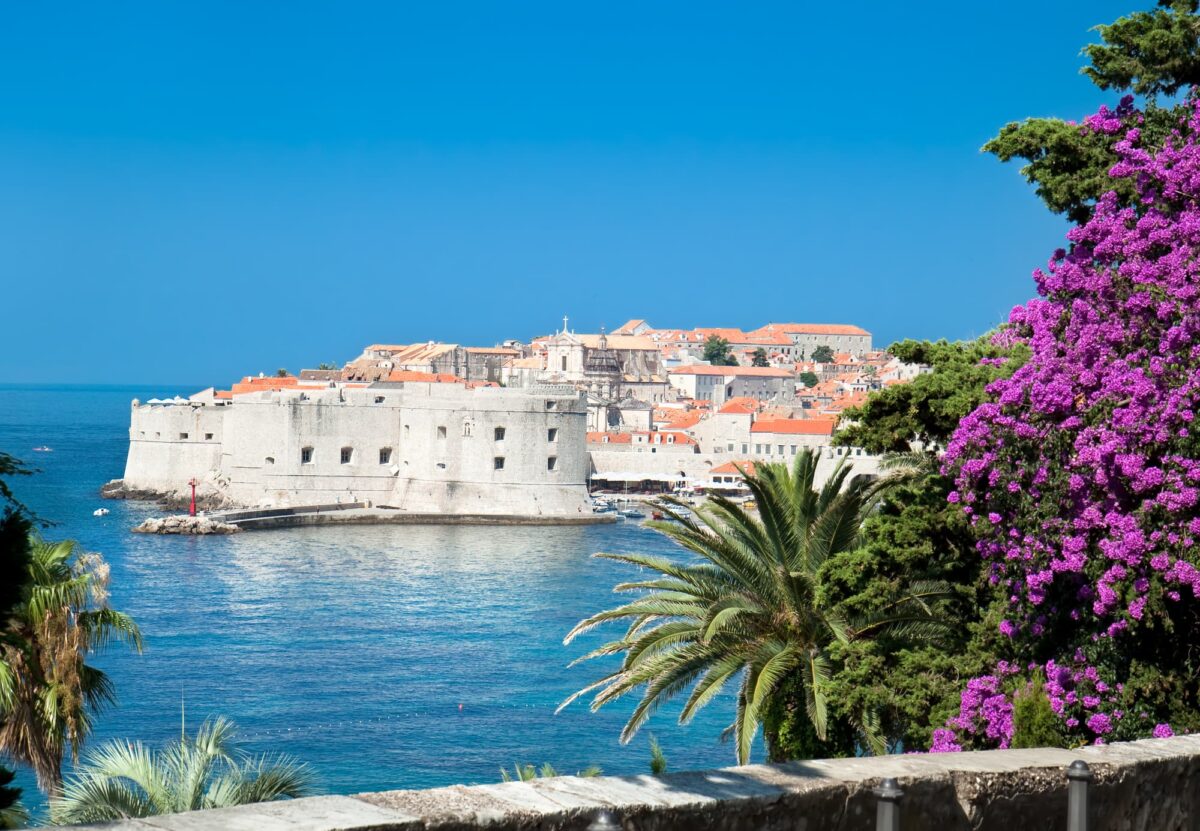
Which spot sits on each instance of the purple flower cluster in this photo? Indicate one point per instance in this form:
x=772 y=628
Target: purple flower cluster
x=985 y=712
x=1081 y=474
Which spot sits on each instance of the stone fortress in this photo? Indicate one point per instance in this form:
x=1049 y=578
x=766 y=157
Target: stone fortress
x=518 y=430
x=419 y=447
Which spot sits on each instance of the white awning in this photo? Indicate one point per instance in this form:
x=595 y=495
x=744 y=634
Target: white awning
x=629 y=476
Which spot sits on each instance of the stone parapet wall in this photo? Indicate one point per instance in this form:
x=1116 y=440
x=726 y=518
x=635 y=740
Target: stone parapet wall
x=1139 y=786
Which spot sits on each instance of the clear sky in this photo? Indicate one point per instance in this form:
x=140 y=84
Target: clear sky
x=190 y=192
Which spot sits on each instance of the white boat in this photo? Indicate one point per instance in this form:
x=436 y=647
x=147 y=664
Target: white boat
x=43 y=449
x=100 y=512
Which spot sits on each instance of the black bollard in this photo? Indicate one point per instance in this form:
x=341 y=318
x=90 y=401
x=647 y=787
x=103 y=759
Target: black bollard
x=1079 y=776
x=887 y=809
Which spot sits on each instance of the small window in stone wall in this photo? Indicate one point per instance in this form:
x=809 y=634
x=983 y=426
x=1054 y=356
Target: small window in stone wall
x=552 y=434
x=441 y=465
x=208 y=436
x=405 y=431
x=379 y=399
x=385 y=455
x=552 y=463
x=183 y=435
x=270 y=460
x=441 y=432
x=306 y=456
x=468 y=428
x=499 y=433
x=347 y=455
x=498 y=463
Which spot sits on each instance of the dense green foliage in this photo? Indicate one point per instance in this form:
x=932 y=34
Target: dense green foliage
x=759 y=357
x=1034 y=721
x=923 y=413
x=809 y=379
x=1146 y=52
x=751 y=608
x=121 y=779
x=716 y=351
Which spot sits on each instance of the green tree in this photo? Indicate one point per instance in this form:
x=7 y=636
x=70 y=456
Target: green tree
x=48 y=693
x=809 y=379
x=822 y=354
x=281 y=373
x=917 y=535
x=119 y=780
x=751 y=607
x=759 y=357
x=1147 y=53
x=327 y=365
x=716 y=352
x=923 y=413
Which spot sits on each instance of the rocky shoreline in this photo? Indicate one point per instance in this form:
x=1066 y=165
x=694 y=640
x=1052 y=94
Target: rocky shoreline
x=190 y=525
x=116 y=489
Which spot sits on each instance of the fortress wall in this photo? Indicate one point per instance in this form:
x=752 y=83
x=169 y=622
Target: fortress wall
x=170 y=444
x=441 y=446
x=450 y=444
x=264 y=459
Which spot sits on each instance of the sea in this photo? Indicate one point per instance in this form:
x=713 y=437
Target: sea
x=383 y=657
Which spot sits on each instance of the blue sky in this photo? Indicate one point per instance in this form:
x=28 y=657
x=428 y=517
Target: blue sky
x=193 y=192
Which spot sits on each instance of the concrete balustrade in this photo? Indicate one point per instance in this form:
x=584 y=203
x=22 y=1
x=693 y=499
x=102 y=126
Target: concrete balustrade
x=1138 y=786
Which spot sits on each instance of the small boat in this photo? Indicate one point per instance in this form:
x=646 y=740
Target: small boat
x=659 y=515
x=631 y=513
x=43 y=449
x=100 y=512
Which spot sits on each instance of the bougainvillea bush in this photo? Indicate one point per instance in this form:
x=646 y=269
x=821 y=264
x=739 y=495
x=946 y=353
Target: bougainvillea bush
x=1081 y=474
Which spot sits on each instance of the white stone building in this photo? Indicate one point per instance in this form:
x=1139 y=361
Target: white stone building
x=438 y=448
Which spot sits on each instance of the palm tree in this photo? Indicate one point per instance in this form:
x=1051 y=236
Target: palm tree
x=751 y=606
x=48 y=693
x=120 y=780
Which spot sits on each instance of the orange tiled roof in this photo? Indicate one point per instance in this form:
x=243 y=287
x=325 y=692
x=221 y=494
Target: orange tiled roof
x=794 y=426
x=745 y=371
x=683 y=421
x=812 y=329
x=653 y=437
x=741 y=405
x=732 y=467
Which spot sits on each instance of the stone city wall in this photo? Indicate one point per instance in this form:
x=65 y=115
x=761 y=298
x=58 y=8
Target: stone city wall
x=1151 y=785
x=427 y=448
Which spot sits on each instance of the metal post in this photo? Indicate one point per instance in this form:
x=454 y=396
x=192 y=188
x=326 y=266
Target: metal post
x=605 y=821
x=192 y=509
x=1079 y=775
x=887 y=809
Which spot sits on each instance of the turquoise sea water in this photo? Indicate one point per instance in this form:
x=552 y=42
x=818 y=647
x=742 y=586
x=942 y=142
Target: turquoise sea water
x=385 y=657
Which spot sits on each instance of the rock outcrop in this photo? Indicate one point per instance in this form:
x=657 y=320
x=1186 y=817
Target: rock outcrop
x=198 y=525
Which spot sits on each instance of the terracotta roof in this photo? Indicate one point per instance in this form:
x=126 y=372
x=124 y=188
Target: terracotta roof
x=683 y=421
x=812 y=329
x=491 y=350
x=740 y=405
x=628 y=327
x=732 y=467
x=427 y=377
x=730 y=371
x=794 y=426
x=731 y=335
x=652 y=437
x=408 y=353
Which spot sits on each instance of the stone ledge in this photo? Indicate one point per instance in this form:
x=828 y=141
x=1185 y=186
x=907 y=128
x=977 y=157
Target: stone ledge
x=1139 y=786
